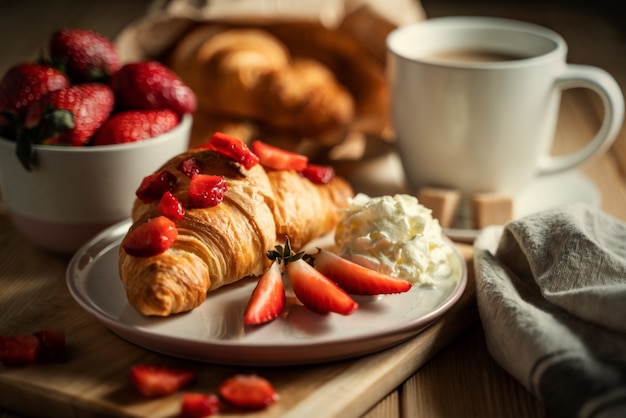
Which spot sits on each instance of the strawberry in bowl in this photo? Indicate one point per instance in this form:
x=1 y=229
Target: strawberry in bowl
x=73 y=147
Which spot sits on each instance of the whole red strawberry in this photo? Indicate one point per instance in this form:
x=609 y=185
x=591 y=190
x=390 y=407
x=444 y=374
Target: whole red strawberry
x=22 y=85
x=70 y=116
x=85 y=54
x=135 y=125
x=151 y=85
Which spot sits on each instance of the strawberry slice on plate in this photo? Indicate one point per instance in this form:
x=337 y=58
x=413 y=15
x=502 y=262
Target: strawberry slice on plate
x=316 y=291
x=268 y=298
x=278 y=158
x=248 y=391
x=356 y=279
x=154 y=381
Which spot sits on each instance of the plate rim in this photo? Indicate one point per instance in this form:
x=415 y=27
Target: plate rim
x=111 y=238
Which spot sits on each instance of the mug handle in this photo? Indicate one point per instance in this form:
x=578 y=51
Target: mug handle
x=607 y=88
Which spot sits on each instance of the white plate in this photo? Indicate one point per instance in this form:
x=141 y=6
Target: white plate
x=543 y=193
x=214 y=332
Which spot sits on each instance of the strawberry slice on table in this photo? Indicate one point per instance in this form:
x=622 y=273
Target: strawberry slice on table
x=152 y=85
x=19 y=350
x=278 y=158
x=205 y=191
x=199 y=405
x=135 y=125
x=150 y=238
x=248 y=391
x=233 y=148
x=153 y=381
x=154 y=185
x=84 y=54
x=268 y=298
x=319 y=174
x=316 y=291
x=53 y=346
x=356 y=279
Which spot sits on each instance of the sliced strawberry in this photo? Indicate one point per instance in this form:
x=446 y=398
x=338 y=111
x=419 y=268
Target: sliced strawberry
x=319 y=174
x=206 y=191
x=19 y=350
x=150 y=238
x=198 y=405
x=268 y=298
x=154 y=381
x=356 y=279
x=232 y=148
x=317 y=292
x=154 y=185
x=278 y=158
x=189 y=167
x=248 y=391
x=53 y=345
x=171 y=207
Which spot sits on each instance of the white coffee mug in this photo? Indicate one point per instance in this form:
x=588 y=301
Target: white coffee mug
x=474 y=103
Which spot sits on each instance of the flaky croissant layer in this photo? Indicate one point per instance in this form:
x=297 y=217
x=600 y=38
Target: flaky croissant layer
x=225 y=243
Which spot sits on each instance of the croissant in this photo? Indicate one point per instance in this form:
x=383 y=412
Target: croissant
x=249 y=73
x=224 y=243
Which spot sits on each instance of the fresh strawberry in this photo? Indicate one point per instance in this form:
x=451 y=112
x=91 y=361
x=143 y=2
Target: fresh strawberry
x=151 y=238
x=84 y=54
x=53 y=345
x=151 y=85
x=316 y=291
x=71 y=115
x=319 y=174
x=356 y=279
x=19 y=350
x=154 y=381
x=189 y=167
x=248 y=391
x=21 y=86
x=198 y=405
x=154 y=185
x=171 y=207
x=135 y=125
x=268 y=298
x=206 y=191
x=232 y=148
x=278 y=158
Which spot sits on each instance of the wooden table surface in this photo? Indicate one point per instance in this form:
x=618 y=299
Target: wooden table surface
x=461 y=379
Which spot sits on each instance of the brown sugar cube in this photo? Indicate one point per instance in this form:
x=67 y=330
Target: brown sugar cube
x=491 y=209
x=444 y=203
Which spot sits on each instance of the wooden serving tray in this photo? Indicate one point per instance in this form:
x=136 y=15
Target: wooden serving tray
x=94 y=381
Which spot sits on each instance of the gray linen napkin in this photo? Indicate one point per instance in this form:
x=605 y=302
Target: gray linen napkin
x=551 y=292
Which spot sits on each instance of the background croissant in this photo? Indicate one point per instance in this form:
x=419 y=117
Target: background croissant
x=248 y=73
x=222 y=244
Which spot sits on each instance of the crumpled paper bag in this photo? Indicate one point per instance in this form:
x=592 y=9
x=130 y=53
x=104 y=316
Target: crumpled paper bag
x=347 y=35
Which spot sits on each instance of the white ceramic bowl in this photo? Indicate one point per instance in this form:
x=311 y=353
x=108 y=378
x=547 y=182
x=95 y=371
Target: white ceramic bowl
x=75 y=192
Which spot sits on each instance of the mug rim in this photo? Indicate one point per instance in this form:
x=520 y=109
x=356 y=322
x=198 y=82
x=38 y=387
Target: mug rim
x=396 y=41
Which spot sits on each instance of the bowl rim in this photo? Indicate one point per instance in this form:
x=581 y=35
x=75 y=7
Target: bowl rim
x=183 y=125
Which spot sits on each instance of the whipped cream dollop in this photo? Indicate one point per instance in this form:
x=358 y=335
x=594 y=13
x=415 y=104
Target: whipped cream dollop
x=395 y=235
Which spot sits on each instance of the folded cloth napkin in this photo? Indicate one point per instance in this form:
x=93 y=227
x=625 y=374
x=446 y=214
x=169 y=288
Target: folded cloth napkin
x=551 y=293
